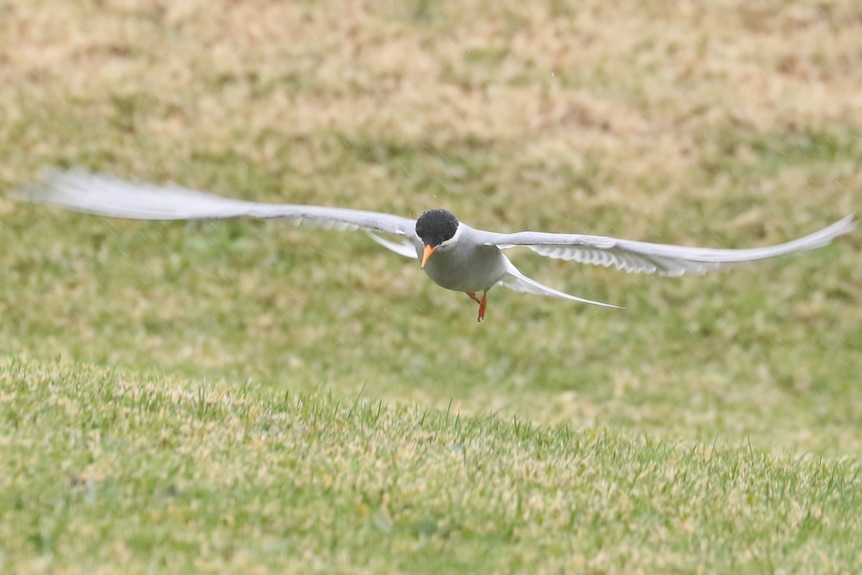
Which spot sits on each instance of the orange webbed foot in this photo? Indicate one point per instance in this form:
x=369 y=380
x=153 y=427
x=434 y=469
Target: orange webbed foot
x=483 y=302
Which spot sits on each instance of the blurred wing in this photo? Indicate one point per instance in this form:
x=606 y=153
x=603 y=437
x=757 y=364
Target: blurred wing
x=404 y=248
x=663 y=259
x=108 y=196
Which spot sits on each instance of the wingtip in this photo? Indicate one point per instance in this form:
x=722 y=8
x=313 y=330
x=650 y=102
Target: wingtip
x=42 y=189
x=842 y=227
x=30 y=192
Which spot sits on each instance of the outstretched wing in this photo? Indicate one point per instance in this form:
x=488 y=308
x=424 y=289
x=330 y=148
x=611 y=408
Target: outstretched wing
x=109 y=196
x=663 y=259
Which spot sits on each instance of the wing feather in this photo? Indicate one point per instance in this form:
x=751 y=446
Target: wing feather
x=645 y=257
x=109 y=196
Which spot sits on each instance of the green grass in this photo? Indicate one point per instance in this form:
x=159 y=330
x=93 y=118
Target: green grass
x=161 y=473
x=183 y=397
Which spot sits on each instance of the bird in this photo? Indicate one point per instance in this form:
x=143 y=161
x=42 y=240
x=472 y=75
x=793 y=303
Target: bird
x=454 y=255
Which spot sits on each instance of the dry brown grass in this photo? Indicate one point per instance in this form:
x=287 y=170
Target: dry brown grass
x=634 y=87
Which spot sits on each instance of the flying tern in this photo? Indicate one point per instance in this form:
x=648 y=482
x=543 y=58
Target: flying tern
x=454 y=255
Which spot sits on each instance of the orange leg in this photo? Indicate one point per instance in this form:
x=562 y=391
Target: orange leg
x=483 y=303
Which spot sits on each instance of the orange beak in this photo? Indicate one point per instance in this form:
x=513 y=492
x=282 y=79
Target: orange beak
x=428 y=251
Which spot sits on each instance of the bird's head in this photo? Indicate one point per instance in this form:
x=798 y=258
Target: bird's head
x=437 y=229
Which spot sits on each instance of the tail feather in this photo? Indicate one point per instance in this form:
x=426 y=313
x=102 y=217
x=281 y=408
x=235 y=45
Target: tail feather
x=516 y=281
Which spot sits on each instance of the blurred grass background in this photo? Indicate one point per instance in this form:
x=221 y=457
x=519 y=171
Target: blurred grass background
x=236 y=395
x=724 y=125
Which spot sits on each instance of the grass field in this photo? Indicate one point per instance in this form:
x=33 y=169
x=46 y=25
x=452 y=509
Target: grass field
x=253 y=397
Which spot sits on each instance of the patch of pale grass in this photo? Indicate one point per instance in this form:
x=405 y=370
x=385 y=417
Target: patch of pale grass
x=578 y=80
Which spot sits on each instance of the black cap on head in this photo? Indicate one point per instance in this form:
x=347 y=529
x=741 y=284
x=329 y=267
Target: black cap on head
x=435 y=227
